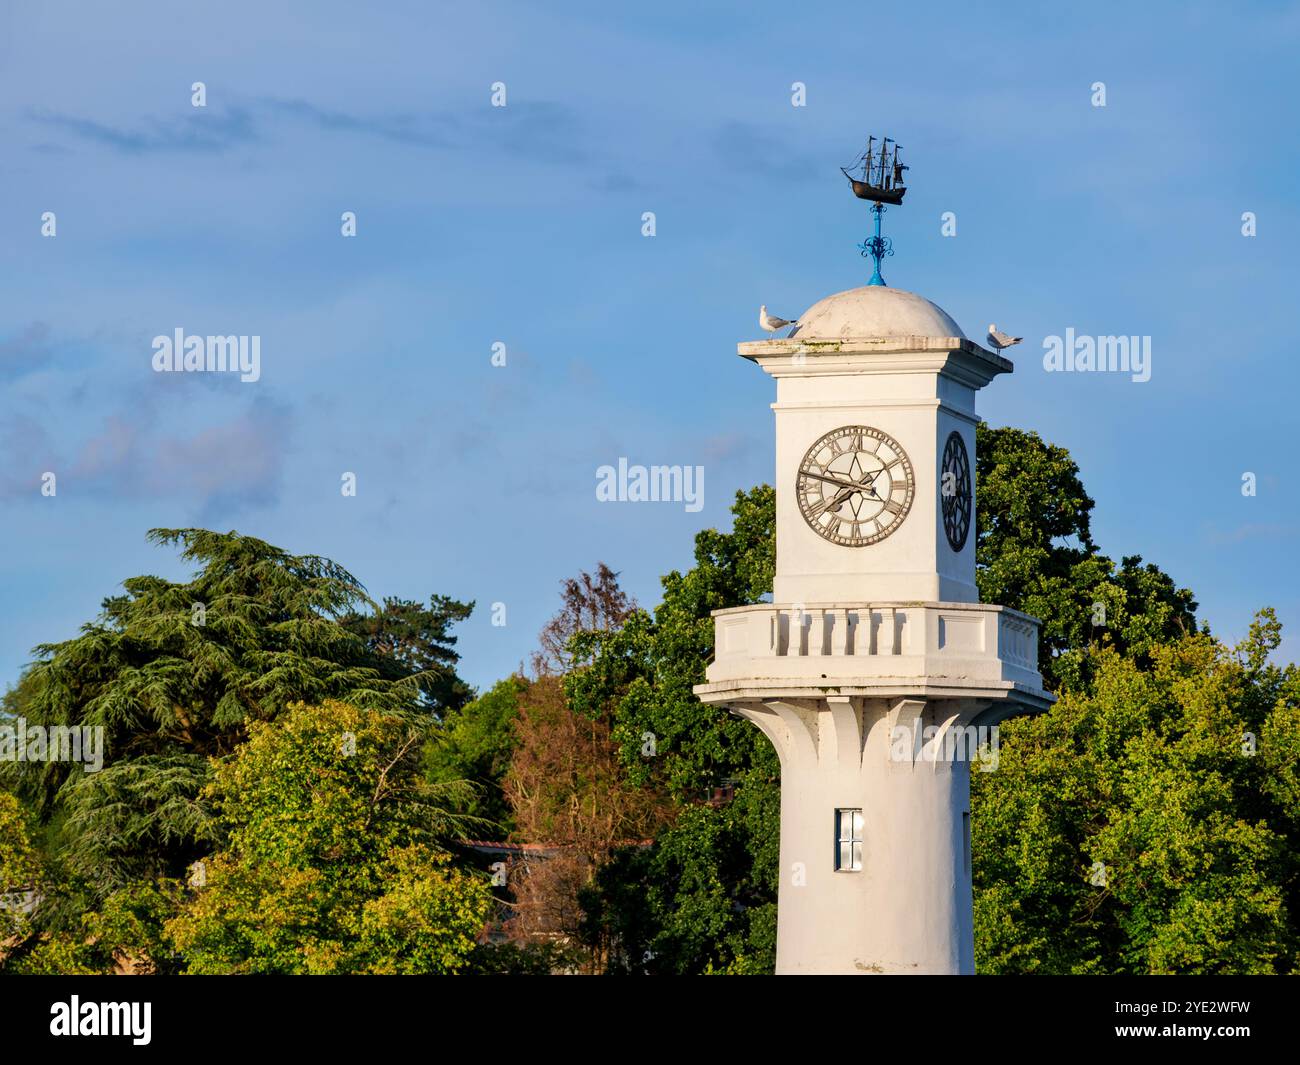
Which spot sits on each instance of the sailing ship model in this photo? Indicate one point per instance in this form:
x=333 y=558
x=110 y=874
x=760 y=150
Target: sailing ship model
x=878 y=176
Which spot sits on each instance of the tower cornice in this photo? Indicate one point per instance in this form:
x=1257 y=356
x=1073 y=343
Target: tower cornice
x=957 y=357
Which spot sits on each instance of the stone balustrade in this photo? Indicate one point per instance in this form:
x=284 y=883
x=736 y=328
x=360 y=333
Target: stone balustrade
x=847 y=641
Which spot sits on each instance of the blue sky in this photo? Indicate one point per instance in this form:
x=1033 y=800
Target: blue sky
x=523 y=225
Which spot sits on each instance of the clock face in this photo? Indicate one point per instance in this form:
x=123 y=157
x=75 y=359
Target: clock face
x=855 y=486
x=955 y=491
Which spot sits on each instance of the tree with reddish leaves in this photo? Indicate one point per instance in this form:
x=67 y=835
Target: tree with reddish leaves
x=566 y=785
x=590 y=604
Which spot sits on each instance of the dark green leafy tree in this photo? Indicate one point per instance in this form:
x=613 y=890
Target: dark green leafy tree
x=408 y=639
x=475 y=744
x=125 y=935
x=1035 y=553
x=176 y=672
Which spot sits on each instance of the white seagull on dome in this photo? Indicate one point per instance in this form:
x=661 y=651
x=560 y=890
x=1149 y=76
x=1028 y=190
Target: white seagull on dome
x=770 y=322
x=1001 y=340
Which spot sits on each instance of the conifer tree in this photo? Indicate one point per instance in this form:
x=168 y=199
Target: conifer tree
x=176 y=671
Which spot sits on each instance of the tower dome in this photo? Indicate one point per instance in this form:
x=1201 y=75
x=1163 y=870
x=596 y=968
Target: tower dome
x=874 y=311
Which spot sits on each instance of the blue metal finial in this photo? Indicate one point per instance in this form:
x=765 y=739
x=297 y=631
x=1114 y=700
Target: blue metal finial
x=877 y=247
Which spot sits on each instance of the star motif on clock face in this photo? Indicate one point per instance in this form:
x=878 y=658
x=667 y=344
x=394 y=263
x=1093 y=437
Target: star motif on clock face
x=855 y=486
x=955 y=491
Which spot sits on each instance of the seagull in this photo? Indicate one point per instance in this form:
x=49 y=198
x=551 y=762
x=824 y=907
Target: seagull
x=1000 y=340
x=771 y=323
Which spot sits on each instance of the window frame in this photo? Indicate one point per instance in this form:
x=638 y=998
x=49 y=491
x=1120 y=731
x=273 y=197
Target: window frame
x=848 y=839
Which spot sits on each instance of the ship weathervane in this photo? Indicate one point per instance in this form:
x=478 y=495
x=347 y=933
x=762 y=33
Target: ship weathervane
x=878 y=176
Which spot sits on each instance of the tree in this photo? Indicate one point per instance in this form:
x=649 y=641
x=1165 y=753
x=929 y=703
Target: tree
x=1145 y=817
x=410 y=640
x=475 y=744
x=176 y=673
x=124 y=936
x=566 y=785
x=591 y=604
x=568 y=791
x=334 y=860
x=1034 y=552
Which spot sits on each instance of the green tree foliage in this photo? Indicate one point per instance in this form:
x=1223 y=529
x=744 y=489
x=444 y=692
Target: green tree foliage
x=702 y=898
x=1035 y=553
x=1140 y=771
x=406 y=639
x=1149 y=824
x=475 y=744
x=333 y=861
x=123 y=936
x=176 y=673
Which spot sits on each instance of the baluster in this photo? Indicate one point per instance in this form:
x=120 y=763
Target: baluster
x=887 y=637
x=862 y=632
x=839 y=631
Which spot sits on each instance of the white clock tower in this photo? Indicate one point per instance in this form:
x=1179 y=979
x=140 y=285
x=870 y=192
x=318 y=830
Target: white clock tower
x=875 y=671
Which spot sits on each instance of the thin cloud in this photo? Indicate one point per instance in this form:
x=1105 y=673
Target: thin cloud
x=31 y=453
x=229 y=465
x=28 y=351
x=199 y=132
x=425 y=131
x=221 y=468
x=723 y=447
x=539 y=130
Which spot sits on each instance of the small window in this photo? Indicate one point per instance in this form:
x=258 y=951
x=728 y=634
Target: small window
x=848 y=840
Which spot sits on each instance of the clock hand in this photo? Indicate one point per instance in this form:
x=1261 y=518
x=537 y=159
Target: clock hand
x=841 y=481
x=855 y=486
